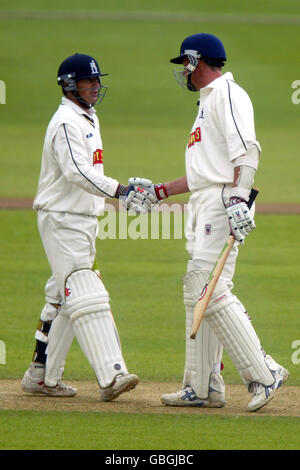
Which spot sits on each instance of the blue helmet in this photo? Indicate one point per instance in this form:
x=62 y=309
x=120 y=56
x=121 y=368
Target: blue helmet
x=205 y=46
x=75 y=68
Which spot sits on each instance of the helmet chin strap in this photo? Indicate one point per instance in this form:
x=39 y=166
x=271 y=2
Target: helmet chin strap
x=84 y=103
x=189 y=84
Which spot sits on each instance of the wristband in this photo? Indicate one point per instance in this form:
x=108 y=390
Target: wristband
x=161 y=191
x=235 y=200
x=121 y=191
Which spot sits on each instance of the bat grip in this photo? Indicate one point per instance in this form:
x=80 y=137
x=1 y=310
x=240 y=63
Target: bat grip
x=253 y=193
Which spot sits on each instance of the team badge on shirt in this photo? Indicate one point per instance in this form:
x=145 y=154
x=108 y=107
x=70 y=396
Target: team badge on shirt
x=201 y=115
x=208 y=229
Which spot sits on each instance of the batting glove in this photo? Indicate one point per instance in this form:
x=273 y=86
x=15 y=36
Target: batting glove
x=135 y=198
x=240 y=220
x=158 y=191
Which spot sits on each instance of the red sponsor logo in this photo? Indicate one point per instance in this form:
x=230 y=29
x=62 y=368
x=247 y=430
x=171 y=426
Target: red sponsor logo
x=194 y=137
x=98 y=157
x=67 y=292
x=218 y=299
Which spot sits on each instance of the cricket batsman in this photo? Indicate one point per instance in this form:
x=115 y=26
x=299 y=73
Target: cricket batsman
x=71 y=194
x=221 y=160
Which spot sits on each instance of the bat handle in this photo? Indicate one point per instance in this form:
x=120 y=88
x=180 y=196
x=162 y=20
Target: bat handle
x=253 y=193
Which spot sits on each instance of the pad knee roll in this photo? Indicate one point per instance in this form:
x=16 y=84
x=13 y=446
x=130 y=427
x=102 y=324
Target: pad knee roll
x=85 y=294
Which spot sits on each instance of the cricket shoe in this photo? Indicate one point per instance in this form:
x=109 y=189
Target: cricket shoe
x=263 y=394
x=122 y=383
x=35 y=385
x=188 y=397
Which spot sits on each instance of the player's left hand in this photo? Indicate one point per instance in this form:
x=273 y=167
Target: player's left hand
x=240 y=220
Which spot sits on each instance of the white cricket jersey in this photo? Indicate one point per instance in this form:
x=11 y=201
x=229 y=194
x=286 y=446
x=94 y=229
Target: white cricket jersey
x=223 y=130
x=72 y=176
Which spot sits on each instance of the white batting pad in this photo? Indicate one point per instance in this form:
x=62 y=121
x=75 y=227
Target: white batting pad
x=204 y=354
x=60 y=338
x=87 y=303
x=233 y=328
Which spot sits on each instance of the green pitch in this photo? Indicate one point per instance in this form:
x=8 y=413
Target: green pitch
x=145 y=121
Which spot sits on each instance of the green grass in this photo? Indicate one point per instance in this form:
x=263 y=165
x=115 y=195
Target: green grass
x=106 y=431
x=143 y=278
x=145 y=117
x=274 y=7
x=145 y=121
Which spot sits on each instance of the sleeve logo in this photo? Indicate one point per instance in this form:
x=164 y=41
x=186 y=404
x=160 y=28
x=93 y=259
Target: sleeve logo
x=98 y=157
x=195 y=137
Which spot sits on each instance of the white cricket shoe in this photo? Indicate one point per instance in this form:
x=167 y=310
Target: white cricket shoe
x=262 y=394
x=36 y=385
x=122 y=383
x=187 y=396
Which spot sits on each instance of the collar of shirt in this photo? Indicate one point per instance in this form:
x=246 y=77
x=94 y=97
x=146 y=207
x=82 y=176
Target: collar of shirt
x=205 y=91
x=218 y=81
x=77 y=109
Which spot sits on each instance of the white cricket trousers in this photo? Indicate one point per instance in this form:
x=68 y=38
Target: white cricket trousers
x=207 y=230
x=69 y=241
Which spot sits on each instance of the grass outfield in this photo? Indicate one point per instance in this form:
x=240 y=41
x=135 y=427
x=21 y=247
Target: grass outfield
x=144 y=281
x=145 y=117
x=145 y=120
x=102 y=431
x=143 y=278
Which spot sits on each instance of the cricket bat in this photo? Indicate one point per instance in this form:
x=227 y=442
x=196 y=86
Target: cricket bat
x=213 y=278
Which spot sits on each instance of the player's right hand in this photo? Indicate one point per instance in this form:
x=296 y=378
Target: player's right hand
x=138 y=199
x=158 y=191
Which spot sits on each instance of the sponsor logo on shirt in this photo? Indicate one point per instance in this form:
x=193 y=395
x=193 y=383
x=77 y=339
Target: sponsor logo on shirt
x=98 y=157
x=194 y=137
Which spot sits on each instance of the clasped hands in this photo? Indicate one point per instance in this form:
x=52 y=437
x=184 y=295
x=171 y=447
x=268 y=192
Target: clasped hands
x=142 y=194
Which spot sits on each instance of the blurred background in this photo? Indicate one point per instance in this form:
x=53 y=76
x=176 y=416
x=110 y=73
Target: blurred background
x=145 y=117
